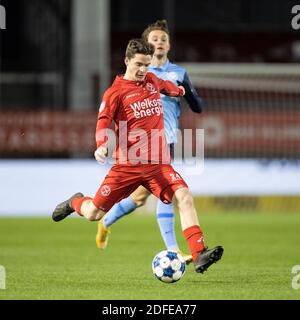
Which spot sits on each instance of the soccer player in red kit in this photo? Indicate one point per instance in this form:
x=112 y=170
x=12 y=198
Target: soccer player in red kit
x=142 y=155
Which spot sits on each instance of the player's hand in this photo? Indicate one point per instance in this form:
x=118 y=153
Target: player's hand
x=182 y=90
x=183 y=84
x=100 y=154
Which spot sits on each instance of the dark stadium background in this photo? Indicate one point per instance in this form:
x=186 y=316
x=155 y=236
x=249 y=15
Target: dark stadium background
x=39 y=36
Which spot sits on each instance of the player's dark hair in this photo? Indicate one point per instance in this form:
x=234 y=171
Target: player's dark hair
x=158 y=25
x=139 y=46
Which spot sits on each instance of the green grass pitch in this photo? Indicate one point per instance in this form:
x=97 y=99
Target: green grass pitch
x=47 y=260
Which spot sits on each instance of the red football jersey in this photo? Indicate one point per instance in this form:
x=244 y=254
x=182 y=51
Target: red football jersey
x=136 y=109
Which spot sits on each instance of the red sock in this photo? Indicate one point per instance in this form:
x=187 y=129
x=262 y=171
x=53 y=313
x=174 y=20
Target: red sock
x=195 y=239
x=76 y=204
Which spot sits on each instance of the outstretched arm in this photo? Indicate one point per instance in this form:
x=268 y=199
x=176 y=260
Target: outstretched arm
x=168 y=87
x=191 y=96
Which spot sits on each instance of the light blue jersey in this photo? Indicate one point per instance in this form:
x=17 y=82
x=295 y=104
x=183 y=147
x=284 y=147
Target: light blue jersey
x=171 y=105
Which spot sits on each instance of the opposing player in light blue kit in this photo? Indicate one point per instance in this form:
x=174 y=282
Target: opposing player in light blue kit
x=158 y=35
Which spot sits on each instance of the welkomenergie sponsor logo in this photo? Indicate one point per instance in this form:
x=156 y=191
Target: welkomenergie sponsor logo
x=146 y=108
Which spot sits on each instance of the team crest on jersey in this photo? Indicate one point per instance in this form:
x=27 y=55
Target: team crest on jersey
x=150 y=87
x=102 y=106
x=105 y=190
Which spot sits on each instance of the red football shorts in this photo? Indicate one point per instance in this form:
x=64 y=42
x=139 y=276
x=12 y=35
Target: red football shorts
x=160 y=179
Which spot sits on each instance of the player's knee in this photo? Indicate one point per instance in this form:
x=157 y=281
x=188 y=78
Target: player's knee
x=140 y=202
x=94 y=214
x=140 y=199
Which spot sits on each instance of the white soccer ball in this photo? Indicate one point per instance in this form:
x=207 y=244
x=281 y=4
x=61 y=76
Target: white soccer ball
x=168 y=266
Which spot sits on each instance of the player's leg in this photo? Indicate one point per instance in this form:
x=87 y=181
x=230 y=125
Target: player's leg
x=166 y=221
x=86 y=208
x=136 y=199
x=82 y=205
x=167 y=184
x=117 y=184
x=166 y=218
x=202 y=256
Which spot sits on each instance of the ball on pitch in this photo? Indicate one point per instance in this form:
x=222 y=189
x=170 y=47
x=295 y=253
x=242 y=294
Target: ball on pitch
x=168 y=266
